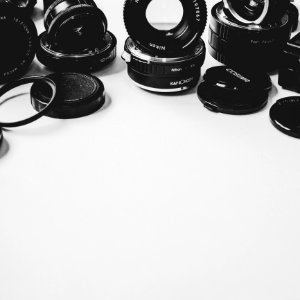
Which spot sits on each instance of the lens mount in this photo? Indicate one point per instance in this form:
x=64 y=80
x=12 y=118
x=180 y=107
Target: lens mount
x=256 y=11
x=163 y=75
x=254 y=46
x=87 y=60
x=70 y=22
x=18 y=42
x=178 y=40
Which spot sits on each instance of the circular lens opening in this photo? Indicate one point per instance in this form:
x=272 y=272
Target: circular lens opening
x=15 y=105
x=249 y=9
x=164 y=14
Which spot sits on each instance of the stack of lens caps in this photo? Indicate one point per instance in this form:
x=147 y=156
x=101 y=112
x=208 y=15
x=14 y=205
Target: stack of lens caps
x=18 y=42
x=232 y=91
x=165 y=60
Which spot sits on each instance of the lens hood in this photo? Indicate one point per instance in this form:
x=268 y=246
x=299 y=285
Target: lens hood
x=166 y=42
x=256 y=11
x=69 y=23
x=83 y=61
x=160 y=74
x=18 y=42
x=251 y=46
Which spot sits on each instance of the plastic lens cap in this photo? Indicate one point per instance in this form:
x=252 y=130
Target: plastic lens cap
x=78 y=95
x=234 y=92
x=285 y=116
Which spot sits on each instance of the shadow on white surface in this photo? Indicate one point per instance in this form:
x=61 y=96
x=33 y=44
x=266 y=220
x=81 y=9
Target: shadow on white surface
x=4 y=148
x=117 y=66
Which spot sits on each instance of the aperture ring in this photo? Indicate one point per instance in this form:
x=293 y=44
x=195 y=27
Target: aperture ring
x=177 y=40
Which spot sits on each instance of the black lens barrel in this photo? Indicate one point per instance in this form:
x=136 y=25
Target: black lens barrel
x=248 y=46
x=178 y=40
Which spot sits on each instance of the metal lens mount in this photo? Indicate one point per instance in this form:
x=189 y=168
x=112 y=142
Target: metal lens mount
x=161 y=74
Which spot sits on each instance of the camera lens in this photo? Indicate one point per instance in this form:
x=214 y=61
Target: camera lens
x=18 y=43
x=249 y=46
x=178 y=40
x=69 y=23
x=90 y=59
x=256 y=11
x=172 y=74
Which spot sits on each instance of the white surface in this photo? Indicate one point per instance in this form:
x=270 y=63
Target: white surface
x=153 y=197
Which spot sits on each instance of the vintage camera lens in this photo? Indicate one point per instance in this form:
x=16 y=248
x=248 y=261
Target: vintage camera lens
x=180 y=39
x=247 y=46
x=25 y=6
x=256 y=11
x=69 y=23
x=87 y=60
x=158 y=74
x=18 y=43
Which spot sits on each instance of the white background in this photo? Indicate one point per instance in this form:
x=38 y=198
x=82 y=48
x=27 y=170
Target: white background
x=152 y=197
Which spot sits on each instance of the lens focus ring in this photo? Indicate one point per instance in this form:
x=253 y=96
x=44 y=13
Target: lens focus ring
x=177 y=40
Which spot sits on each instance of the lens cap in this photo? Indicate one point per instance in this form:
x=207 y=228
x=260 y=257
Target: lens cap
x=285 y=116
x=234 y=92
x=77 y=95
x=18 y=42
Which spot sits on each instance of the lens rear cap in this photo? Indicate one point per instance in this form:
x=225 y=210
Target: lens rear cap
x=285 y=116
x=77 y=95
x=235 y=92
